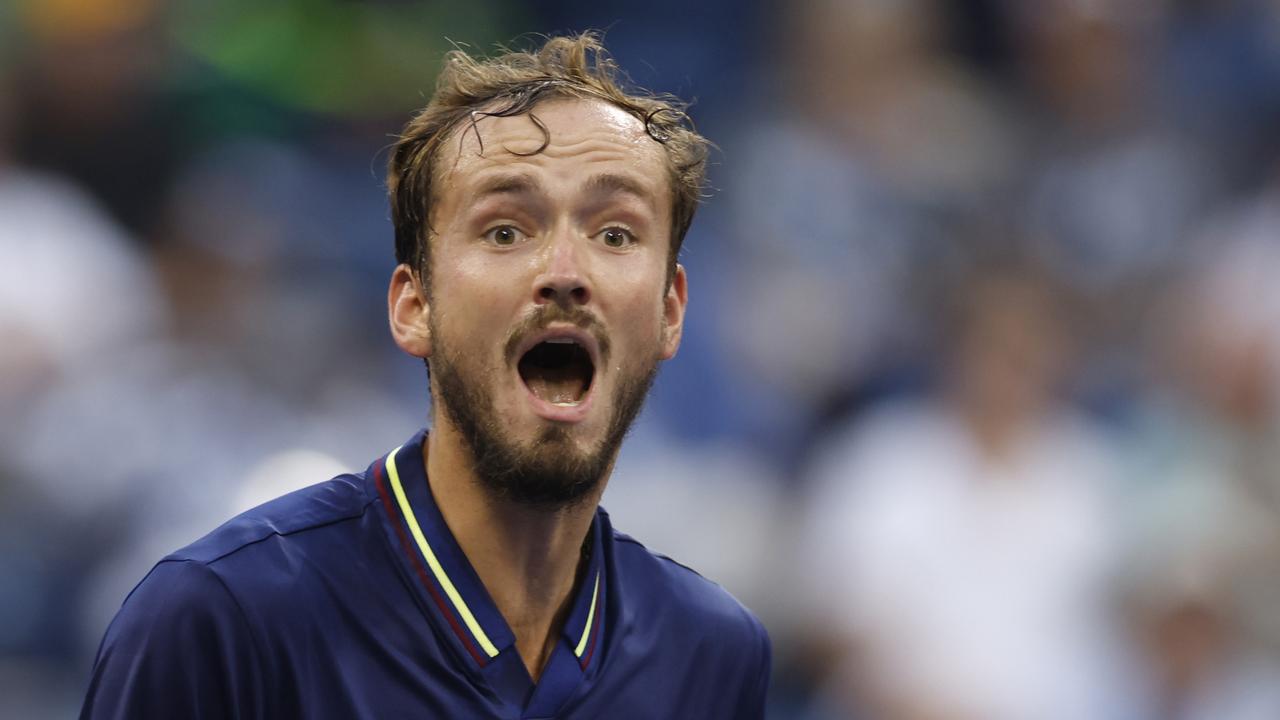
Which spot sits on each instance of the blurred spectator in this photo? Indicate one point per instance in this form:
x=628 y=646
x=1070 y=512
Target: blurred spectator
x=74 y=295
x=1215 y=368
x=1221 y=81
x=1204 y=568
x=1114 y=187
x=74 y=291
x=867 y=134
x=959 y=548
x=1201 y=549
x=94 y=103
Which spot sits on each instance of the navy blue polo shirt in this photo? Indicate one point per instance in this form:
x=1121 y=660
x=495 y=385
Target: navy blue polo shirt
x=351 y=599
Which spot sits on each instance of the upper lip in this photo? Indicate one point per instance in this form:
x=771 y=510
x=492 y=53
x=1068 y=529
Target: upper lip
x=557 y=331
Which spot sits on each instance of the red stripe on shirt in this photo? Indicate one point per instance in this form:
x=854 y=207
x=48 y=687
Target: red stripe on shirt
x=421 y=571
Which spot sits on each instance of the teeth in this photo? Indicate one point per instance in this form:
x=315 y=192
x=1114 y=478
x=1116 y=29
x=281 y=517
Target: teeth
x=565 y=404
x=561 y=341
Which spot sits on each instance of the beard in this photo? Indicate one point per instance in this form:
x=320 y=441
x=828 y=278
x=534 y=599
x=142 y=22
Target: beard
x=550 y=473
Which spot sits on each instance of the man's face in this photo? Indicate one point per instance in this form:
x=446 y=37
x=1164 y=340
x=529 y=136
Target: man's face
x=549 y=307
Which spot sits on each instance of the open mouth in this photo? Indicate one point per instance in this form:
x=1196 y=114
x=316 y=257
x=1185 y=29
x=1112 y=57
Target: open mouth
x=557 y=370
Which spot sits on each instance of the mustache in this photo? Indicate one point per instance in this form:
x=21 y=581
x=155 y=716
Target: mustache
x=544 y=316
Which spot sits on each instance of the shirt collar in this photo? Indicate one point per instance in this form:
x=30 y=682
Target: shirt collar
x=454 y=590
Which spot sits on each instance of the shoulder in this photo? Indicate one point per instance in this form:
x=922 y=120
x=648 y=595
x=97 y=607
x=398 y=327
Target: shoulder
x=228 y=594
x=259 y=547
x=251 y=569
x=179 y=594
x=696 y=623
x=146 y=666
x=683 y=596
x=295 y=515
x=309 y=543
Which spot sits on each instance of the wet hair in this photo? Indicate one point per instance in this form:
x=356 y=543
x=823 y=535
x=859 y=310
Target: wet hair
x=512 y=83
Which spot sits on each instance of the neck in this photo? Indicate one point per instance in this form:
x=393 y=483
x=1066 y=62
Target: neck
x=529 y=559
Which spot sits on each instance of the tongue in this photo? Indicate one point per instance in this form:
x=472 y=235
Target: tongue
x=556 y=385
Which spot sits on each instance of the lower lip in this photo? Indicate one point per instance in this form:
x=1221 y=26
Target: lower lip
x=559 y=413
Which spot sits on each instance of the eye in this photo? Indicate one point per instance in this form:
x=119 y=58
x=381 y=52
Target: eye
x=616 y=237
x=504 y=235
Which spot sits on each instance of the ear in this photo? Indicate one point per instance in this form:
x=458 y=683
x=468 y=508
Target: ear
x=409 y=312
x=673 y=305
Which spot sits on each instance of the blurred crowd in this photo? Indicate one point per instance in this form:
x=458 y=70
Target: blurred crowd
x=979 y=403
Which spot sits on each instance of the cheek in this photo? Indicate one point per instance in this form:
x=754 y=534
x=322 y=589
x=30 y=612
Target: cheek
x=644 y=322
x=473 y=295
x=465 y=334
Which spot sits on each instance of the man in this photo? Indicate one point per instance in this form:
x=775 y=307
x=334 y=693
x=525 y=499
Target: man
x=469 y=573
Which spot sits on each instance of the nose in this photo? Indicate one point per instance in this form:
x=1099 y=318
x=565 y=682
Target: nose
x=562 y=280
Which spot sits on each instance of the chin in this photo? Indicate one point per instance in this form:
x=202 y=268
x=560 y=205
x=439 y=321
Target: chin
x=554 y=473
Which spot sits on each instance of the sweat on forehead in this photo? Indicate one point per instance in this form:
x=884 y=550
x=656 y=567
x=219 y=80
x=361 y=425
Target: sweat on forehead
x=551 y=129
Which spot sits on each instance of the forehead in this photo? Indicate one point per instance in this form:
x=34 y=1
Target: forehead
x=581 y=137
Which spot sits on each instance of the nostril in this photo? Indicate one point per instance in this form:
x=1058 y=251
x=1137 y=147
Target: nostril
x=568 y=293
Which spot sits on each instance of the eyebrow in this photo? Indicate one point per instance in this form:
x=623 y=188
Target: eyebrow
x=599 y=184
x=520 y=184
x=614 y=184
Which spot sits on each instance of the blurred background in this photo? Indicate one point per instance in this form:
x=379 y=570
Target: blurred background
x=979 y=401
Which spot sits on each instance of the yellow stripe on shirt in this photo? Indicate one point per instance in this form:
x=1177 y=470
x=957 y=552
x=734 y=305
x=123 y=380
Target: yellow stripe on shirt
x=467 y=618
x=591 y=613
